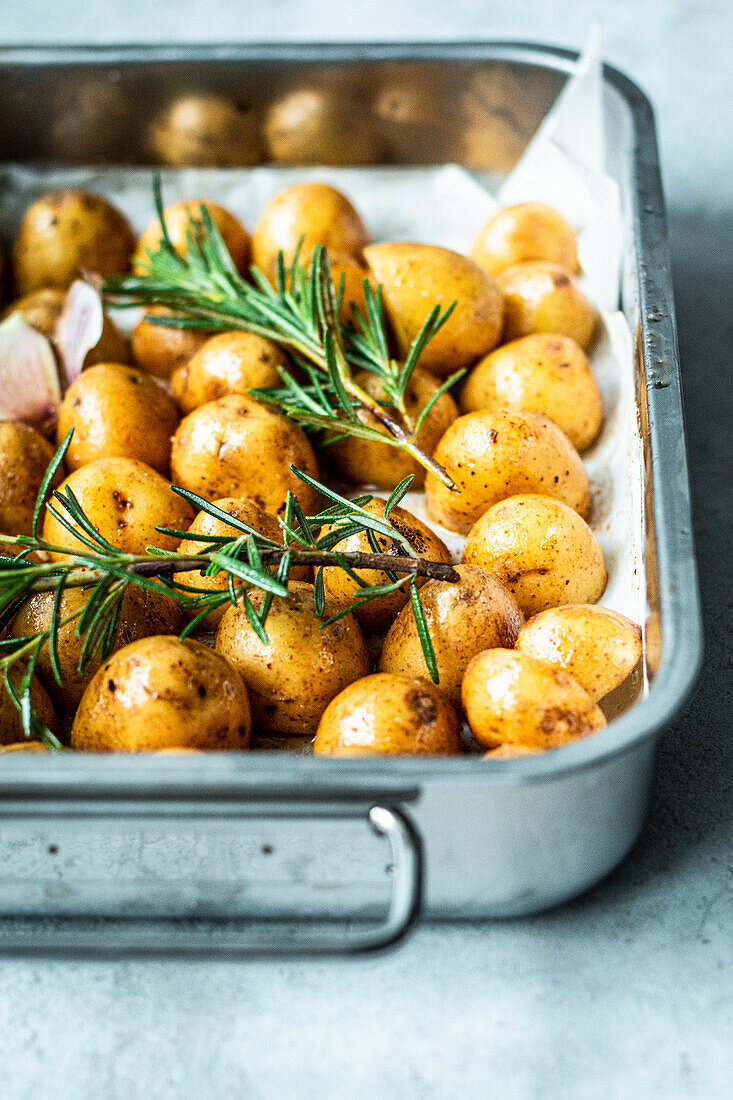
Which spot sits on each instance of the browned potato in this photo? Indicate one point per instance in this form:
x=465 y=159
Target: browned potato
x=416 y=277
x=528 y=231
x=540 y=373
x=24 y=458
x=207 y=130
x=160 y=349
x=354 y=274
x=42 y=309
x=117 y=412
x=205 y=524
x=162 y=693
x=493 y=455
x=238 y=447
x=542 y=550
x=544 y=297
x=313 y=212
x=143 y=613
x=125 y=500
x=304 y=664
x=11 y=725
x=378 y=614
x=511 y=698
x=64 y=231
x=596 y=646
x=463 y=619
x=389 y=714
x=25 y=746
x=310 y=126
x=229 y=363
x=367 y=463
x=510 y=750
x=178 y=221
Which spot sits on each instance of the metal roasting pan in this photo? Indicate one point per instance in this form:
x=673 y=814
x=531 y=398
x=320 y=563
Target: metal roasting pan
x=272 y=853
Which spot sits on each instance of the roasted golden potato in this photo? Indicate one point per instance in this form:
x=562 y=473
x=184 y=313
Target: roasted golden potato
x=117 y=411
x=11 y=725
x=64 y=231
x=178 y=218
x=417 y=276
x=304 y=664
x=161 y=349
x=314 y=126
x=162 y=693
x=207 y=131
x=378 y=614
x=541 y=549
x=463 y=618
x=125 y=500
x=494 y=455
x=229 y=363
x=509 y=750
x=544 y=297
x=367 y=463
x=42 y=309
x=527 y=231
x=24 y=458
x=389 y=714
x=238 y=447
x=539 y=373
x=596 y=646
x=511 y=698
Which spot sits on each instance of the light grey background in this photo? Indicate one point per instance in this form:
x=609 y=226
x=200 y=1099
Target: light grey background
x=627 y=992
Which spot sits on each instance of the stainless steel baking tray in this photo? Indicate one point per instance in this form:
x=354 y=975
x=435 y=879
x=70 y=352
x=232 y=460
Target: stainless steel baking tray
x=241 y=853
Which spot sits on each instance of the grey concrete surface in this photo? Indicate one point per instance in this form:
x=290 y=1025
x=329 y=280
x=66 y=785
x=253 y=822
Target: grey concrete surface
x=627 y=992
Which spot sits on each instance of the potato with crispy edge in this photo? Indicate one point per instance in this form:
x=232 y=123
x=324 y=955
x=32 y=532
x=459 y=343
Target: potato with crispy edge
x=596 y=646
x=42 y=309
x=494 y=455
x=511 y=698
x=178 y=222
x=543 y=551
x=207 y=131
x=304 y=664
x=24 y=458
x=11 y=723
x=527 y=231
x=162 y=349
x=229 y=363
x=544 y=297
x=389 y=714
x=163 y=693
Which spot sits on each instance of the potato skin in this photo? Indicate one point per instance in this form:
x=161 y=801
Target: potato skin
x=117 y=411
x=378 y=614
x=541 y=550
x=314 y=211
x=11 y=725
x=143 y=613
x=527 y=231
x=494 y=455
x=63 y=231
x=161 y=350
x=304 y=664
x=177 y=220
x=417 y=276
x=207 y=131
x=596 y=646
x=24 y=458
x=463 y=619
x=544 y=297
x=310 y=126
x=125 y=500
x=389 y=714
x=365 y=463
x=238 y=447
x=541 y=373
x=162 y=693
x=228 y=363
x=25 y=746
x=511 y=698
x=41 y=310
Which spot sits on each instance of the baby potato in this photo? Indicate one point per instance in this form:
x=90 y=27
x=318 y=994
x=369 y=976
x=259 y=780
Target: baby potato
x=313 y=212
x=541 y=373
x=160 y=349
x=527 y=231
x=42 y=309
x=544 y=297
x=64 y=231
x=463 y=618
x=125 y=501
x=389 y=714
x=178 y=222
x=367 y=463
x=117 y=412
x=310 y=126
x=11 y=725
x=303 y=665
x=207 y=131
x=163 y=693
x=596 y=646
x=24 y=458
x=229 y=363
x=417 y=276
x=509 y=750
x=238 y=447
x=143 y=613
x=378 y=614
x=512 y=698
x=25 y=746
x=541 y=550
x=493 y=455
